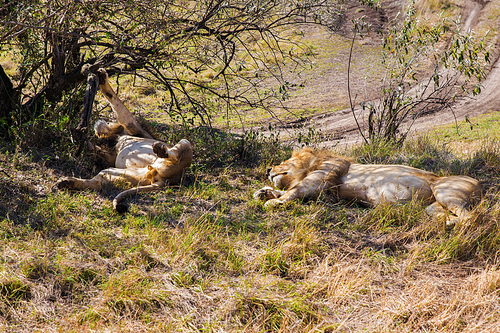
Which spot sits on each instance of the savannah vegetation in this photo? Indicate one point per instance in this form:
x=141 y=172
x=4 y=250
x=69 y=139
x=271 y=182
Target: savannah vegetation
x=205 y=256
x=428 y=64
x=206 y=57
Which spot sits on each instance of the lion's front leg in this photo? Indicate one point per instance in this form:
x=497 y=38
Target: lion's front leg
x=286 y=196
x=275 y=197
x=105 y=177
x=310 y=186
x=73 y=183
x=267 y=193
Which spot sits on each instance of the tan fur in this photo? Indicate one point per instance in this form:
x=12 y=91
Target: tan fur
x=307 y=173
x=147 y=164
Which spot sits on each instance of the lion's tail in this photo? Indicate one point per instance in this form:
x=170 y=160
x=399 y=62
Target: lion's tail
x=122 y=208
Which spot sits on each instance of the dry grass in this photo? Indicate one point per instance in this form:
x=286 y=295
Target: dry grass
x=208 y=257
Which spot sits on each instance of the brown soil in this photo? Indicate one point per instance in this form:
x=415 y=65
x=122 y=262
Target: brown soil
x=340 y=127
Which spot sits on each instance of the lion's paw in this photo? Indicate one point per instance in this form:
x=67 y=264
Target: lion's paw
x=261 y=194
x=272 y=203
x=451 y=222
x=64 y=183
x=266 y=193
x=102 y=75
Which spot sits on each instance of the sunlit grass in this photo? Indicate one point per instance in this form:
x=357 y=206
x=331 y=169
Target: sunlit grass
x=472 y=129
x=207 y=256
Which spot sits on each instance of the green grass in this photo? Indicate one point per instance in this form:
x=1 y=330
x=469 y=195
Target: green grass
x=475 y=129
x=208 y=257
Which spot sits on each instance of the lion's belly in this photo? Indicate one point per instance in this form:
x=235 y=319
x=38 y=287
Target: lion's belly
x=134 y=152
x=376 y=184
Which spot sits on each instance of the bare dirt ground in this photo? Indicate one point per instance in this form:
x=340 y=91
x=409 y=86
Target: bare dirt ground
x=340 y=127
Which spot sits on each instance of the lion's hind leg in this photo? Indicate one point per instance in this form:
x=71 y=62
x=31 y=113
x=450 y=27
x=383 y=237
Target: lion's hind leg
x=123 y=115
x=457 y=194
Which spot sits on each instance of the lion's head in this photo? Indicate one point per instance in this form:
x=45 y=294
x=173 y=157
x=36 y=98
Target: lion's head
x=292 y=171
x=171 y=162
x=282 y=175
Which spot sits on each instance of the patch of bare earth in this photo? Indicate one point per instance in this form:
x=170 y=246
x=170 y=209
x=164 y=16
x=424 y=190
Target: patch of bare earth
x=327 y=90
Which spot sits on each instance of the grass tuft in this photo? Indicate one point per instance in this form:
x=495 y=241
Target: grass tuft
x=206 y=256
x=14 y=290
x=389 y=218
x=475 y=238
x=276 y=314
x=132 y=294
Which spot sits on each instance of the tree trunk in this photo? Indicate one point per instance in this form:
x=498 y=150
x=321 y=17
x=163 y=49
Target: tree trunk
x=6 y=101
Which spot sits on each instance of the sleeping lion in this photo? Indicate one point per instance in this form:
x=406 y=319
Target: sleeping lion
x=307 y=173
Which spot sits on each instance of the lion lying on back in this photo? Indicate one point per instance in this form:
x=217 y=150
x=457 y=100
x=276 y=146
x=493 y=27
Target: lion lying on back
x=133 y=155
x=307 y=173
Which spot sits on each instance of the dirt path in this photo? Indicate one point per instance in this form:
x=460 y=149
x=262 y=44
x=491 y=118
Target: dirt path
x=341 y=128
x=487 y=101
x=472 y=106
